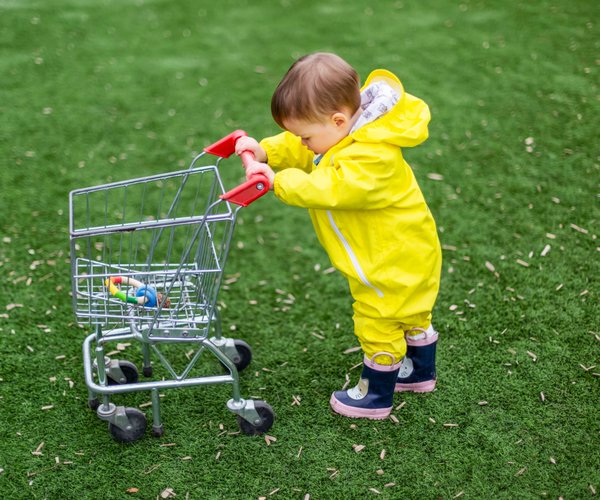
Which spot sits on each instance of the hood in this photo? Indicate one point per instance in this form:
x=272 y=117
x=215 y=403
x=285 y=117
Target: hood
x=404 y=125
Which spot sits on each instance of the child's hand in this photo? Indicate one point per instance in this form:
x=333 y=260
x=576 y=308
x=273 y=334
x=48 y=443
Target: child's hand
x=260 y=168
x=252 y=145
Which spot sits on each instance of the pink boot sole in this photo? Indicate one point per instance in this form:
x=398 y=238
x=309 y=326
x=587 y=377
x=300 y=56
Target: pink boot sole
x=353 y=412
x=426 y=386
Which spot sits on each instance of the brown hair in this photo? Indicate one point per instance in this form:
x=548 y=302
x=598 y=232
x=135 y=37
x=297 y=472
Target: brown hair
x=316 y=85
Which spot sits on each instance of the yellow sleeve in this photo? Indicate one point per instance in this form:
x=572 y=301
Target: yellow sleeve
x=360 y=179
x=285 y=151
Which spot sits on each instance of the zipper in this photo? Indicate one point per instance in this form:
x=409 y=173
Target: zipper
x=352 y=256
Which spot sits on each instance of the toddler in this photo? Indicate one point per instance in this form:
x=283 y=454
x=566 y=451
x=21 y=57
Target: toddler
x=340 y=157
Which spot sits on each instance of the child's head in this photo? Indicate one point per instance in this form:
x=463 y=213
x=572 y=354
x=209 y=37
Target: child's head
x=320 y=92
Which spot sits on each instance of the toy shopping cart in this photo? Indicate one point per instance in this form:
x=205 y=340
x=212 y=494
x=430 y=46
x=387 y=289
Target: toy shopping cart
x=147 y=259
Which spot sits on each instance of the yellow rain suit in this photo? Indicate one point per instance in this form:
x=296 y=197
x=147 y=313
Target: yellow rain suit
x=370 y=216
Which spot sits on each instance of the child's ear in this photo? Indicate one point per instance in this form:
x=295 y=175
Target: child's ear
x=339 y=119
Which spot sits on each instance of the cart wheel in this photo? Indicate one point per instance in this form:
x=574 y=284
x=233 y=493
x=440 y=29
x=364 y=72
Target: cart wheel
x=130 y=372
x=134 y=431
x=93 y=404
x=243 y=354
x=267 y=416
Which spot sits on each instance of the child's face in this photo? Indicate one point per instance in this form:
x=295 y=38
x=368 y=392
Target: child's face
x=321 y=136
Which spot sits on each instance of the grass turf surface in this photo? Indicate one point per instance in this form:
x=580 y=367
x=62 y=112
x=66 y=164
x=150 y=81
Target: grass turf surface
x=94 y=91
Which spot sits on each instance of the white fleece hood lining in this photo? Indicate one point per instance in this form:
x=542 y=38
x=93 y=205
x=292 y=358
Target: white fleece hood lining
x=375 y=101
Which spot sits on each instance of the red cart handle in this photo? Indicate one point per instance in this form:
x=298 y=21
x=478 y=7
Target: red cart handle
x=257 y=186
x=246 y=193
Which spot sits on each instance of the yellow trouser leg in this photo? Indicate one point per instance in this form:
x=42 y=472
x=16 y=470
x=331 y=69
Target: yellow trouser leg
x=382 y=335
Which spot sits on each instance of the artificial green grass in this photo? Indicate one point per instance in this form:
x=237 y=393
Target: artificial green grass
x=108 y=90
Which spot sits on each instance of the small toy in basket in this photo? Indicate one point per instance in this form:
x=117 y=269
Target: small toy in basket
x=147 y=259
x=145 y=295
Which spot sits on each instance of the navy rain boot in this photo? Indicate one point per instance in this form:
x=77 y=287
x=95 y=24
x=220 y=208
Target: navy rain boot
x=417 y=369
x=373 y=395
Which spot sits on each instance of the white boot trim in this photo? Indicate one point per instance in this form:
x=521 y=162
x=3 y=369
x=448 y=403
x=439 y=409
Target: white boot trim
x=406 y=368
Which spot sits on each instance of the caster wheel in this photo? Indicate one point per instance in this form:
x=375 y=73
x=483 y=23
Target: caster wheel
x=134 y=431
x=267 y=416
x=243 y=354
x=130 y=374
x=93 y=404
x=147 y=371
